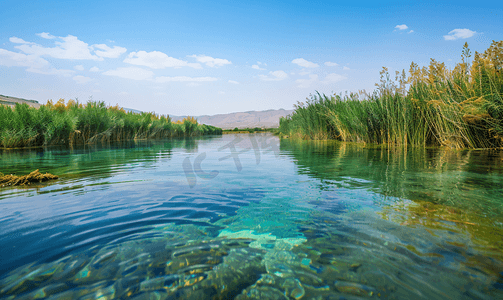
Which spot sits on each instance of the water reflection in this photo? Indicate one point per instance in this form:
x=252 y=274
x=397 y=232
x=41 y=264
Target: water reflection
x=98 y=160
x=467 y=179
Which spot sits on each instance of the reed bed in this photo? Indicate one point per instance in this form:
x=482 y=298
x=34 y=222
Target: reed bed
x=432 y=106
x=73 y=123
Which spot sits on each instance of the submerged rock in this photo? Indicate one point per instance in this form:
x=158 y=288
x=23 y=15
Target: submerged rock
x=45 y=292
x=266 y=279
x=157 y=295
x=261 y=292
x=240 y=269
x=354 y=288
x=293 y=288
x=165 y=282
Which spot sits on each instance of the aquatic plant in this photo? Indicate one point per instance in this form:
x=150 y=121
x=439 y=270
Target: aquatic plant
x=458 y=108
x=33 y=177
x=75 y=123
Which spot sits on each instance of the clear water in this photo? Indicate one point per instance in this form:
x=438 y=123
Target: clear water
x=252 y=217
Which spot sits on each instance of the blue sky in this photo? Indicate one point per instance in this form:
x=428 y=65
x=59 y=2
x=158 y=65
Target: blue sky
x=210 y=57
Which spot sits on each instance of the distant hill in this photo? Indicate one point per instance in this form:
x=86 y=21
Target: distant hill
x=247 y=119
x=11 y=101
x=135 y=111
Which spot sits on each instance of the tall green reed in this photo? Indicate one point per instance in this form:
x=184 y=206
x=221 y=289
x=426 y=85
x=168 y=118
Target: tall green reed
x=75 y=123
x=459 y=108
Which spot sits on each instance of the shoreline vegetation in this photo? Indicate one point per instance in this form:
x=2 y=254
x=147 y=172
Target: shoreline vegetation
x=432 y=106
x=74 y=123
x=250 y=130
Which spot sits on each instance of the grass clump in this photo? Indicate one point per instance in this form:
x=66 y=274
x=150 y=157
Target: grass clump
x=33 y=177
x=74 y=123
x=432 y=106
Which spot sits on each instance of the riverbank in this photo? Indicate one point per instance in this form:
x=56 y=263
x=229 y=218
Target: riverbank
x=74 y=123
x=432 y=106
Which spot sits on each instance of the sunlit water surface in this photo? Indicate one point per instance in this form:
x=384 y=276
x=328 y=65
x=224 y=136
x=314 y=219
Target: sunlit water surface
x=252 y=217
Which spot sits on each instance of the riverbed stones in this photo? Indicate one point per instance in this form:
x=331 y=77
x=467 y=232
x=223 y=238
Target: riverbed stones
x=293 y=288
x=165 y=282
x=220 y=268
x=157 y=295
x=239 y=269
x=354 y=288
x=104 y=293
x=266 y=279
x=127 y=286
x=87 y=292
x=261 y=292
x=44 y=292
x=28 y=280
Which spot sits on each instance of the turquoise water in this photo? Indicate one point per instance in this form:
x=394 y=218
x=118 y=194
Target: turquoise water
x=252 y=217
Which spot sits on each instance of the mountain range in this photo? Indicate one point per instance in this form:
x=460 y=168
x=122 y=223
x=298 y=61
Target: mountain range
x=247 y=119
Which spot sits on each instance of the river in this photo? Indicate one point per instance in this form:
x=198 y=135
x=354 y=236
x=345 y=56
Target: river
x=250 y=216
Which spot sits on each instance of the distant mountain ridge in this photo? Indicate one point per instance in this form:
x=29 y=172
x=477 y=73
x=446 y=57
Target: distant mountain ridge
x=11 y=101
x=248 y=119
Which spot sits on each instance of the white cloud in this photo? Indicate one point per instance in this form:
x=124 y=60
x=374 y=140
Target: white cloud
x=304 y=73
x=401 y=27
x=233 y=82
x=305 y=83
x=157 y=60
x=411 y=31
x=459 y=34
x=331 y=64
x=256 y=67
x=333 y=78
x=34 y=63
x=346 y=68
x=52 y=71
x=81 y=79
x=46 y=35
x=17 y=40
x=79 y=68
x=274 y=76
x=210 y=61
x=108 y=52
x=131 y=73
x=160 y=94
x=11 y=59
x=94 y=69
x=69 y=48
x=260 y=63
x=192 y=84
x=221 y=92
x=123 y=93
x=304 y=63
x=163 y=79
